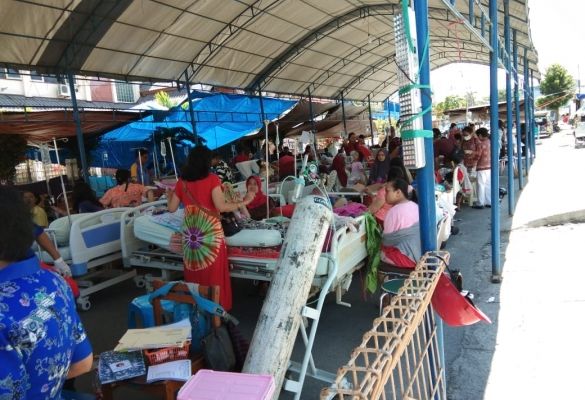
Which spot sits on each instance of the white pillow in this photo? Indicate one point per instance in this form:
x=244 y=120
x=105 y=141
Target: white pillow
x=255 y=238
x=61 y=228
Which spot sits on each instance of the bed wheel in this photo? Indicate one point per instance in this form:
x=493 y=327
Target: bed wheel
x=140 y=281
x=84 y=303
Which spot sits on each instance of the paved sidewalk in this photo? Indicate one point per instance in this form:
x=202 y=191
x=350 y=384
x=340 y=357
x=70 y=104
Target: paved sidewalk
x=532 y=348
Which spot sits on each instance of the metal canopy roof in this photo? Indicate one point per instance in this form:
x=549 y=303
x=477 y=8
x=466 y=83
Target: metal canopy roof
x=283 y=46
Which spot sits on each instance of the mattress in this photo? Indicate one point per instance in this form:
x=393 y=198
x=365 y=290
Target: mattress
x=64 y=251
x=149 y=231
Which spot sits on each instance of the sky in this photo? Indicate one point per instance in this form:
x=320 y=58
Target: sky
x=554 y=27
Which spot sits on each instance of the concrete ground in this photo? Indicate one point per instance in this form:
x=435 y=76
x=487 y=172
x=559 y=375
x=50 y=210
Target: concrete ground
x=528 y=351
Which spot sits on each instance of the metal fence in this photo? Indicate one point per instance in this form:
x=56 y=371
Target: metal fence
x=399 y=357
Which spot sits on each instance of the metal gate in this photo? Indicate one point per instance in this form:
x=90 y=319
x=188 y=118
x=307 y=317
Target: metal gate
x=399 y=356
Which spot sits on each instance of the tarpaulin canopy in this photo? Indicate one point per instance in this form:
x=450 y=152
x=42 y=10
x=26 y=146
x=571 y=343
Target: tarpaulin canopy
x=328 y=47
x=220 y=119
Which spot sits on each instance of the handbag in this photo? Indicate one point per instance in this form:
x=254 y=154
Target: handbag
x=230 y=224
x=218 y=350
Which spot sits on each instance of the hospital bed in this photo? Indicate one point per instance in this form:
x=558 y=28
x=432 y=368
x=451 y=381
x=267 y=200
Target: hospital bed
x=89 y=245
x=145 y=245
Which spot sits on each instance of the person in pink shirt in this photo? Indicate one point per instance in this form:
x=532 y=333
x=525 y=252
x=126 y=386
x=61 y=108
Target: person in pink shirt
x=401 y=236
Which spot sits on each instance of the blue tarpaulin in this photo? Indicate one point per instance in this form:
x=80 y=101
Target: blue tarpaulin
x=220 y=119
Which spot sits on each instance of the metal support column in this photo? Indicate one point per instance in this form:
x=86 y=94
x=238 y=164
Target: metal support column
x=343 y=114
x=495 y=140
x=526 y=113
x=80 y=143
x=471 y=13
x=191 y=112
x=509 y=139
x=370 y=117
x=426 y=176
x=313 y=128
x=517 y=109
x=532 y=120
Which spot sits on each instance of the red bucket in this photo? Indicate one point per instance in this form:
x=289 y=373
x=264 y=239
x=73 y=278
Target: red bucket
x=454 y=308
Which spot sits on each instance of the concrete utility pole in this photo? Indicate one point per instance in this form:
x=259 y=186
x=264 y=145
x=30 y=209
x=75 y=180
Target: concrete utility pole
x=280 y=318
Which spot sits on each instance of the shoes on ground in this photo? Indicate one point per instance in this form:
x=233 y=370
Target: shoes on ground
x=477 y=206
x=454 y=230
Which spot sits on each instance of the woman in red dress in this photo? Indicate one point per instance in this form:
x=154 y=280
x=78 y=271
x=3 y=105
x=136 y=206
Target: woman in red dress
x=198 y=187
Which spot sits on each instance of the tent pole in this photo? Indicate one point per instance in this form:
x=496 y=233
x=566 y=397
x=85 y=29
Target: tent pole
x=509 y=105
x=370 y=118
x=313 y=126
x=517 y=107
x=343 y=115
x=277 y=141
x=191 y=112
x=494 y=144
x=267 y=167
x=78 y=130
x=173 y=158
x=267 y=159
x=62 y=182
x=154 y=155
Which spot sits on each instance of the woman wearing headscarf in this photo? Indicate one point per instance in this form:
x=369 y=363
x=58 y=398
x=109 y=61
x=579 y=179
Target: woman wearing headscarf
x=379 y=172
x=257 y=207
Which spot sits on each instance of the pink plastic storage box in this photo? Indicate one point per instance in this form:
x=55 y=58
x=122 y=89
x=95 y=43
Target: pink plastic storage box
x=213 y=385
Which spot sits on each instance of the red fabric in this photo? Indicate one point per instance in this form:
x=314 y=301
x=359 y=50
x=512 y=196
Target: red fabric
x=217 y=273
x=241 y=158
x=254 y=252
x=338 y=165
x=398 y=259
x=460 y=175
x=470 y=160
x=444 y=147
x=286 y=166
x=260 y=198
x=365 y=153
x=70 y=281
x=285 y=211
x=484 y=156
x=200 y=190
x=349 y=147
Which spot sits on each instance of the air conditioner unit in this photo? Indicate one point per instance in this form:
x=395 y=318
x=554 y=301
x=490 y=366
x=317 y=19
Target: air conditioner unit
x=64 y=90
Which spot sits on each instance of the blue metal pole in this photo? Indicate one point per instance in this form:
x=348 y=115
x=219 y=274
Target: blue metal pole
x=532 y=115
x=517 y=108
x=526 y=112
x=495 y=176
x=191 y=112
x=509 y=139
x=425 y=176
x=79 y=132
x=471 y=13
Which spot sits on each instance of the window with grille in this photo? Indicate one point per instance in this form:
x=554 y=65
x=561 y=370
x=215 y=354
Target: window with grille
x=9 y=73
x=124 y=92
x=36 y=77
x=32 y=171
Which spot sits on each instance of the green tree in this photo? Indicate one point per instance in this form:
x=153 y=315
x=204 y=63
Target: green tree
x=450 y=103
x=557 y=86
x=164 y=99
x=13 y=152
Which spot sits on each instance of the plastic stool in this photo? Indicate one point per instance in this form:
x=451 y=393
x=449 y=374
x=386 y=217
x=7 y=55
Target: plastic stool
x=390 y=287
x=142 y=308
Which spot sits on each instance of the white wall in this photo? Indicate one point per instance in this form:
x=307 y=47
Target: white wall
x=26 y=87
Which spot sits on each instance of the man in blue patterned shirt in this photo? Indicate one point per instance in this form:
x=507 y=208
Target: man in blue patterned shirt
x=42 y=340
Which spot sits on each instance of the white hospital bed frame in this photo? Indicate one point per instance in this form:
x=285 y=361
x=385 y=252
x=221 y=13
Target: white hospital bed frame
x=94 y=240
x=348 y=253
